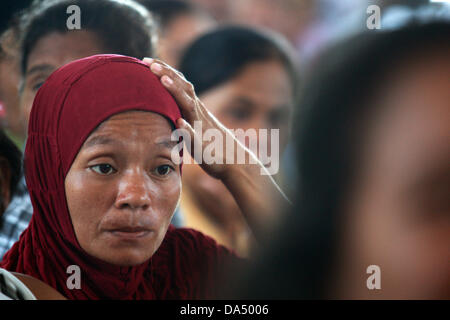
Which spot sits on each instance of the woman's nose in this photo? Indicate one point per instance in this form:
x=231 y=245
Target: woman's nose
x=134 y=191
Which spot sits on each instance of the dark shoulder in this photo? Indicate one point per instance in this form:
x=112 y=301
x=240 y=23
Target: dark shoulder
x=40 y=290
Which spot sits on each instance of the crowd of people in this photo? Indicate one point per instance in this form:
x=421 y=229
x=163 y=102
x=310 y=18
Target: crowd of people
x=358 y=122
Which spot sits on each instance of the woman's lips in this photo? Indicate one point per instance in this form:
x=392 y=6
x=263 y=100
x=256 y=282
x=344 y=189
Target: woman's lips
x=130 y=233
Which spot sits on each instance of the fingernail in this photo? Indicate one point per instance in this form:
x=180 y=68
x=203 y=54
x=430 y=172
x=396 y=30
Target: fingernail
x=156 y=67
x=147 y=60
x=167 y=80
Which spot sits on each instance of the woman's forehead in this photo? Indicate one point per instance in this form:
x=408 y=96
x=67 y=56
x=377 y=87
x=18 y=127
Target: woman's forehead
x=138 y=117
x=131 y=125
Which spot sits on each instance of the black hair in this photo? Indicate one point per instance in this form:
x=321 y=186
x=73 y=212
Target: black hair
x=14 y=158
x=335 y=98
x=165 y=11
x=8 y=9
x=219 y=55
x=124 y=27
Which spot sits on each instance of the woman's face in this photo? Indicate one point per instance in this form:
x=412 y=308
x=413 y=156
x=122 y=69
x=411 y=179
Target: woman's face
x=399 y=209
x=123 y=188
x=259 y=97
x=49 y=53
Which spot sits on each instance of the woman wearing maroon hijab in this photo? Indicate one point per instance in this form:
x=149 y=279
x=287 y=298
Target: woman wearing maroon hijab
x=104 y=185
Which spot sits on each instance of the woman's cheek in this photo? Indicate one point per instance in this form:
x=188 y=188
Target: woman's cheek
x=88 y=199
x=169 y=195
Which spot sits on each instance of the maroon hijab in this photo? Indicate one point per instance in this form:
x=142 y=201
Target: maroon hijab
x=70 y=105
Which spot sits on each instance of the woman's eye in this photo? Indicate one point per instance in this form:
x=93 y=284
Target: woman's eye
x=240 y=114
x=104 y=169
x=163 y=170
x=37 y=86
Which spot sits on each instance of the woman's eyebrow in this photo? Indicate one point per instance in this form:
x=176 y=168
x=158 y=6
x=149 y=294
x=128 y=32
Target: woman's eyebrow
x=40 y=68
x=100 y=140
x=167 y=143
x=243 y=101
x=107 y=140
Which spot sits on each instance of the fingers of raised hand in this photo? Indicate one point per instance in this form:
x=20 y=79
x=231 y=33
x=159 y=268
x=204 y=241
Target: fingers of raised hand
x=181 y=89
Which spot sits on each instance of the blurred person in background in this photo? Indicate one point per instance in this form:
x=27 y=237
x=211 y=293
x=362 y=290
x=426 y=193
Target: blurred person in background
x=10 y=171
x=16 y=206
x=47 y=44
x=179 y=22
x=288 y=17
x=373 y=149
x=336 y=20
x=9 y=71
x=248 y=80
x=9 y=86
x=219 y=9
x=107 y=26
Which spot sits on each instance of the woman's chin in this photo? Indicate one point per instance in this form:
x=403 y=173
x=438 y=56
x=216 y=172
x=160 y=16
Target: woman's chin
x=127 y=259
